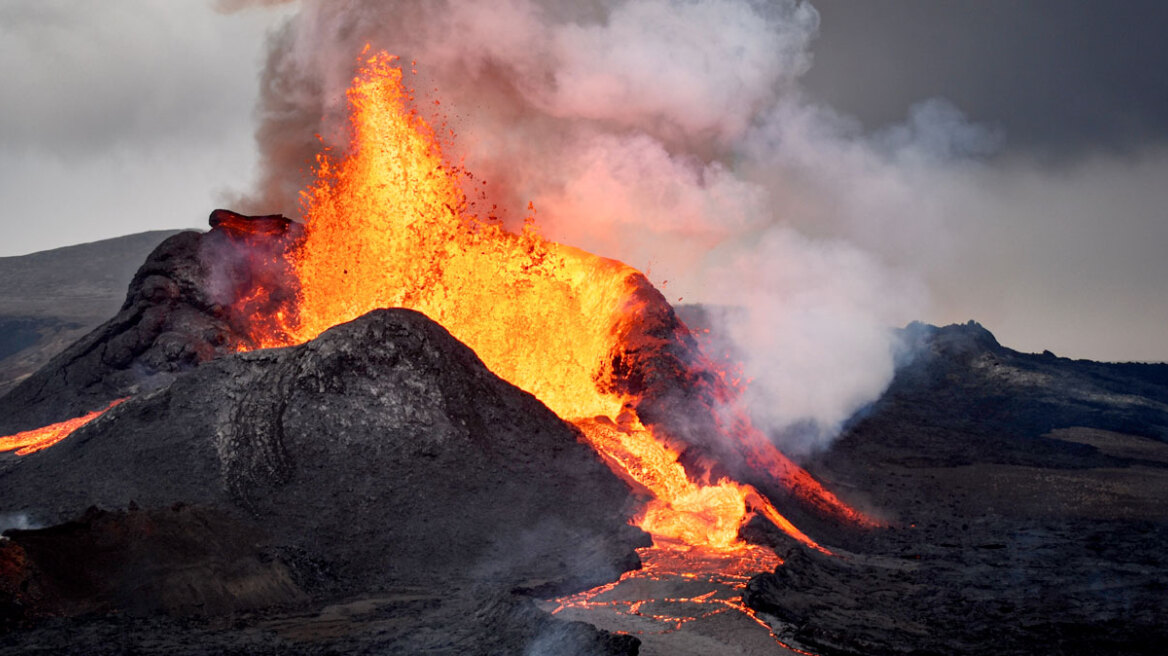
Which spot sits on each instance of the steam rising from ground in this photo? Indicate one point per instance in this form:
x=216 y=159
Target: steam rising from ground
x=672 y=135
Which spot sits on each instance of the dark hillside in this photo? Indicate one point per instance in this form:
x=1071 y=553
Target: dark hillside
x=51 y=298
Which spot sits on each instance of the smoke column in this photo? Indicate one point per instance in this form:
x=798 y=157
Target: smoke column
x=672 y=135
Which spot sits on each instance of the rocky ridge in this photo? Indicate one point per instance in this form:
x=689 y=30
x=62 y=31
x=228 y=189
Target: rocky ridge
x=1025 y=500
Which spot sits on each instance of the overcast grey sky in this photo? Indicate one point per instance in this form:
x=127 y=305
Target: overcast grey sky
x=124 y=116
x=1067 y=231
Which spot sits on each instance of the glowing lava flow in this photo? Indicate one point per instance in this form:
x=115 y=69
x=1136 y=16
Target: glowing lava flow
x=675 y=592
x=706 y=567
x=388 y=225
x=31 y=441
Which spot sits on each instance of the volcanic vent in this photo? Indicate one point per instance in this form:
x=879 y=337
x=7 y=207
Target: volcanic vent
x=388 y=224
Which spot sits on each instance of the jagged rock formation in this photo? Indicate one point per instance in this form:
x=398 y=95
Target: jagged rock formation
x=179 y=311
x=50 y=299
x=1026 y=500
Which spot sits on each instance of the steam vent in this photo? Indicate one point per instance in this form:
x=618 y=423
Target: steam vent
x=394 y=426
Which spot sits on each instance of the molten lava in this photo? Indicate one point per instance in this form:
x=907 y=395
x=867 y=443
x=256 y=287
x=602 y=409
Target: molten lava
x=388 y=225
x=31 y=441
x=674 y=590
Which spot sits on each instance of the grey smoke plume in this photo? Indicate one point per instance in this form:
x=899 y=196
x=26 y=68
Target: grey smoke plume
x=672 y=135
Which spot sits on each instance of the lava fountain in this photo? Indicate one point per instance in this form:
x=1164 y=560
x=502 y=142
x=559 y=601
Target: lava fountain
x=388 y=224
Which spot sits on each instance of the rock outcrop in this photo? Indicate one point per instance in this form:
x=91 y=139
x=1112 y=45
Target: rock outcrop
x=180 y=310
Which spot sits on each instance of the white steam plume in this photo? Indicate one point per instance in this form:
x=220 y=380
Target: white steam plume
x=670 y=134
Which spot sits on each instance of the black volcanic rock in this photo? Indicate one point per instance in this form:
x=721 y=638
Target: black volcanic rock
x=180 y=310
x=993 y=404
x=179 y=560
x=167 y=325
x=383 y=446
x=379 y=457
x=1026 y=496
x=987 y=384
x=50 y=299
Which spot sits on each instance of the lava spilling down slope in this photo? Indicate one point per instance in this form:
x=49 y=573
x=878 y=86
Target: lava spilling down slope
x=389 y=225
x=254 y=369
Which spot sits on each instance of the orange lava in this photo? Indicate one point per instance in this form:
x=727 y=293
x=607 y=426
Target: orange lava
x=764 y=456
x=730 y=570
x=31 y=441
x=695 y=584
x=388 y=225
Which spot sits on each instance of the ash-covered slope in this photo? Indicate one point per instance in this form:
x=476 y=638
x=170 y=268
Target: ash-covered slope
x=51 y=298
x=384 y=446
x=1028 y=501
x=380 y=457
x=973 y=382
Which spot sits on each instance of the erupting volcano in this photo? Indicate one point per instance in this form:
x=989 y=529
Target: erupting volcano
x=405 y=416
x=389 y=225
x=394 y=408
